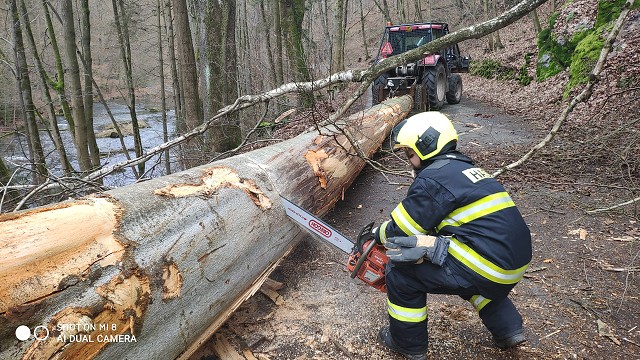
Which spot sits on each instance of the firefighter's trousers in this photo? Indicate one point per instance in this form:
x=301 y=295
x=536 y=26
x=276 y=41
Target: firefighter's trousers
x=407 y=288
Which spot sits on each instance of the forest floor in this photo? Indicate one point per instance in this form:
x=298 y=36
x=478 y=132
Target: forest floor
x=579 y=298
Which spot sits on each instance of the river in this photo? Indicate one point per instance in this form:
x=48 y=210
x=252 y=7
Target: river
x=13 y=149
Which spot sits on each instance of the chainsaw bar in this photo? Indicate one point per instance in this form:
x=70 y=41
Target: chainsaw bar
x=317 y=226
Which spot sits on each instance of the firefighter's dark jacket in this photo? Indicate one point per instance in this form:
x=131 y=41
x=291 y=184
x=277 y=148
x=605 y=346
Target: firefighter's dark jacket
x=490 y=242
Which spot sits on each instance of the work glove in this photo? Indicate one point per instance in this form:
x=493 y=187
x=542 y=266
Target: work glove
x=412 y=249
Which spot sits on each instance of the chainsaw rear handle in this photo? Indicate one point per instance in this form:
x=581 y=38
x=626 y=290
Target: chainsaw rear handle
x=363 y=257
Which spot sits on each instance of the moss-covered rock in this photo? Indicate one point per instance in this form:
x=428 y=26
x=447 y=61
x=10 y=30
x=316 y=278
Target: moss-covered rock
x=579 y=53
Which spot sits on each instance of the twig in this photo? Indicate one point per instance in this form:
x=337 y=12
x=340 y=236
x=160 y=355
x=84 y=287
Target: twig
x=551 y=334
x=31 y=193
x=614 y=206
x=582 y=97
x=626 y=281
x=631 y=342
x=342 y=348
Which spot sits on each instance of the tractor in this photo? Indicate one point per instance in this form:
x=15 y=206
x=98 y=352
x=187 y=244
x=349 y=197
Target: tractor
x=432 y=79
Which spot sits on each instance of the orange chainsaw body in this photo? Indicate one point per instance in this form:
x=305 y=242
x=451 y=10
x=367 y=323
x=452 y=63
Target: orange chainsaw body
x=372 y=268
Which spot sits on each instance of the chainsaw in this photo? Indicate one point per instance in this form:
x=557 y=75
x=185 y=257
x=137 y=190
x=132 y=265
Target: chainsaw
x=367 y=259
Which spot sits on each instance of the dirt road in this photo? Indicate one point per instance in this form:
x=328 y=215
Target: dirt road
x=579 y=298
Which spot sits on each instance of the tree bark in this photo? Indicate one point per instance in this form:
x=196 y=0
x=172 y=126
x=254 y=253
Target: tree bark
x=163 y=97
x=337 y=52
x=177 y=93
x=187 y=67
x=87 y=60
x=51 y=114
x=168 y=260
x=122 y=26
x=36 y=153
x=292 y=19
x=75 y=87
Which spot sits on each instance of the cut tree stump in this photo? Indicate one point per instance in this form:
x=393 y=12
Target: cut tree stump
x=151 y=270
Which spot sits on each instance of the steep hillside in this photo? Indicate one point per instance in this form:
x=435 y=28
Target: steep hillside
x=602 y=133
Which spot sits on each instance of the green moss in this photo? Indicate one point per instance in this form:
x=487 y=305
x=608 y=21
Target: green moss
x=552 y=56
x=523 y=75
x=581 y=52
x=584 y=58
x=608 y=11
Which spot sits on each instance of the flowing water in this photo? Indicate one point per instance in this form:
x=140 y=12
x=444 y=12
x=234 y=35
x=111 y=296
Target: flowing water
x=13 y=149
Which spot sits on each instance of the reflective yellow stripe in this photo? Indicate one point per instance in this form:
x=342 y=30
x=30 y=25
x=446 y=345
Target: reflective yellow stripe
x=479 y=208
x=382 y=232
x=406 y=314
x=482 y=266
x=405 y=222
x=479 y=301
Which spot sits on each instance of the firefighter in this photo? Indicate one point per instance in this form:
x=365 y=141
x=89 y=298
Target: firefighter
x=456 y=232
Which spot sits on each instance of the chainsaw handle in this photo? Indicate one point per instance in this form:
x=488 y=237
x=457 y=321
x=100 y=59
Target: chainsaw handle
x=363 y=257
x=365 y=234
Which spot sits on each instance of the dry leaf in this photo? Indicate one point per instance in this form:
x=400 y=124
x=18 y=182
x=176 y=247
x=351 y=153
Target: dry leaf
x=605 y=330
x=547 y=261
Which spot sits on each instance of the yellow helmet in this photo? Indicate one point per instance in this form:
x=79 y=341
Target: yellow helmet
x=428 y=134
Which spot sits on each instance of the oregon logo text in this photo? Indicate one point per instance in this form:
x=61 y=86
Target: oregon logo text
x=320 y=228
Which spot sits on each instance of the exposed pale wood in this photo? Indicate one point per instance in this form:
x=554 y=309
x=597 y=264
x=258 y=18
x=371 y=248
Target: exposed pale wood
x=160 y=265
x=224 y=350
x=273 y=295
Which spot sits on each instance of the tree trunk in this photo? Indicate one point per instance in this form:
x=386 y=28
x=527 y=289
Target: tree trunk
x=491 y=43
x=384 y=9
x=36 y=153
x=122 y=27
x=187 y=67
x=292 y=18
x=168 y=260
x=277 y=26
x=219 y=69
x=267 y=33
x=536 y=21
x=163 y=97
x=177 y=94
x=94 y=152
x=59 y=84
x=367 y=56
x=75 y=87
x=51 y=114
x=337 y=52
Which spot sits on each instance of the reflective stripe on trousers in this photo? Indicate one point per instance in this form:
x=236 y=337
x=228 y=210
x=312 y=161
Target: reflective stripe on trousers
x=406 y=314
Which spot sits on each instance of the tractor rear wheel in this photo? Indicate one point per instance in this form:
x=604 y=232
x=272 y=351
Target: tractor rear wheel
x=436 y=82
x=455 y=89
x=377 y=90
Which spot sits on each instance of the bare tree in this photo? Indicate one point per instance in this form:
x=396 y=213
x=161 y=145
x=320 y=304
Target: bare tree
x=36 y=154
x=122 y=28
x=51 y=114
x=337 y=49
x=75 y=87
x=85 y=39
x=163 y=98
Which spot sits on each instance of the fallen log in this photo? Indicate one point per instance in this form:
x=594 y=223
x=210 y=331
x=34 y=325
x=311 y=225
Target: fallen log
x=151 y=270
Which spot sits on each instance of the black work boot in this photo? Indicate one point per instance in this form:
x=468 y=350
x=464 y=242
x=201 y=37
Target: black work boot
x=384 y=336
x=511 y=340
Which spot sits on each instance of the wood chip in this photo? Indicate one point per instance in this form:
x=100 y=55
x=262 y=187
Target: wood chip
x=272 y=284
x=273 y=295
x=224 y=350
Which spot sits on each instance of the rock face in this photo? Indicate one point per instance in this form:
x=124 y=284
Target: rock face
x=151 y=270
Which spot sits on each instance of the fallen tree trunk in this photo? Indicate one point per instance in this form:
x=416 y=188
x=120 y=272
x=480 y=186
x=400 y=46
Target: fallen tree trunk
x=151 y=270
